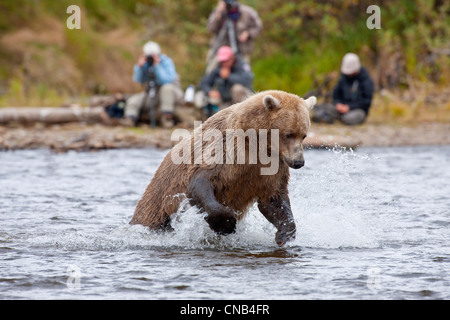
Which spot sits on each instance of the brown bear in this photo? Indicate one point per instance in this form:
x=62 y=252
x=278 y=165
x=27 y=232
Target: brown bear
x=224 y=185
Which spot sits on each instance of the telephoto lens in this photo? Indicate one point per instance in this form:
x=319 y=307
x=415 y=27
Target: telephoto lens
x=150 y=60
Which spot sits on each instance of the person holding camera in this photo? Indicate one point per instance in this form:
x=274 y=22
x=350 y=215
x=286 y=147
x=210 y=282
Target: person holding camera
x=246 y=24
x=154 y=69
x=229 y=83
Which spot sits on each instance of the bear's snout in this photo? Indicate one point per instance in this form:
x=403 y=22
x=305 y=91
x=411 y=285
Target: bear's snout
x=293 y=157
x=295 y=163
x=298 y=164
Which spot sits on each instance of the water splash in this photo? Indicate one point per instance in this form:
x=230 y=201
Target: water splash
x=326 y=200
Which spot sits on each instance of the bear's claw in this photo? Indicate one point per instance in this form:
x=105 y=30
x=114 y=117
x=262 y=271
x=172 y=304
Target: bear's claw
x=283 y=236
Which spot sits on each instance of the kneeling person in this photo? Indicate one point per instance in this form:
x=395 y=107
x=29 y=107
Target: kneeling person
x=231 y=82
x=352 y=96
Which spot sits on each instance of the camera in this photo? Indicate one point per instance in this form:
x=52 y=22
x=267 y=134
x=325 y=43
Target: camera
x=231 y=4
x=150 y=60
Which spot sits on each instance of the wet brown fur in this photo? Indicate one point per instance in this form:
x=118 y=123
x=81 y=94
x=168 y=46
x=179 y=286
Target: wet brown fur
x=236 y=186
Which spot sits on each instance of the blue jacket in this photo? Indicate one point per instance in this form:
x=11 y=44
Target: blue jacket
x=165 y=71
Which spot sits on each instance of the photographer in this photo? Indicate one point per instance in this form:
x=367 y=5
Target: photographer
x=247 y=27
x=229 y=83
x=352 y=96
x=157 y=67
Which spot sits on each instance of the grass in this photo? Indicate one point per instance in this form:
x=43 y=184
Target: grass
x=407 y=107
x=36 y=95
x=302 y=42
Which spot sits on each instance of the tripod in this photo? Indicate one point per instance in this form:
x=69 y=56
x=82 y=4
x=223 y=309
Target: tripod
x=150 y=92
x=227 y=26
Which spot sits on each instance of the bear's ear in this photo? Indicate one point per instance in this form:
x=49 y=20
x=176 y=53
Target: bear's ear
x=311 y=102
x=270 y=102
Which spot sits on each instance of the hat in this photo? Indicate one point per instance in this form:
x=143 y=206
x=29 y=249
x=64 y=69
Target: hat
x=151 y=48
x=350 y=64
x=224 y=54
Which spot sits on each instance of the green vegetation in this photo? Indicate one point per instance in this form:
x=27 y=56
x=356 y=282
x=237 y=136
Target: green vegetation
x=302 y=43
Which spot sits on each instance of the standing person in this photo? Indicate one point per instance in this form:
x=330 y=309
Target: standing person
x=154 y=64
x=246 y=23
x=229 y=83
x=352 y=95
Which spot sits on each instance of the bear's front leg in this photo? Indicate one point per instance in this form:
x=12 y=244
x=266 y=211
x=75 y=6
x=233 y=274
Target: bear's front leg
x=278 y=212
x=220 y=218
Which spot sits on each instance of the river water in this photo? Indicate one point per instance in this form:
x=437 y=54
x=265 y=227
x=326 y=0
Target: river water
x=371 y=224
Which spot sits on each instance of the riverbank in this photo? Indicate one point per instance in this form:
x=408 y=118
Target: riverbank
x=91 y=137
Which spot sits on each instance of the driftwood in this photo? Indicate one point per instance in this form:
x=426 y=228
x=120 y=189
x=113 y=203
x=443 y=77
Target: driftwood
x=71 y=133
x=27 y=115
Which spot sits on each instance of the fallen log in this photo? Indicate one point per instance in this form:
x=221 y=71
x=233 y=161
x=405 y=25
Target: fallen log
x=29 y=115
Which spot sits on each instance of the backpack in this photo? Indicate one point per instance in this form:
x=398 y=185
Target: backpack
x=117 y=109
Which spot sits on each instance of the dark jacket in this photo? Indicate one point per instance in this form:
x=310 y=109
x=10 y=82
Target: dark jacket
x=355 y=91
x=240 y=74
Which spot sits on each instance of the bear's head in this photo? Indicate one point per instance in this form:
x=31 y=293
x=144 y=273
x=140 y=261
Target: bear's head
x=289 y=114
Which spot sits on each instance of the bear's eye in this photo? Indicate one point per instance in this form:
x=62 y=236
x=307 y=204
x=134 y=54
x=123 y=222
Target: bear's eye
x=290 y=136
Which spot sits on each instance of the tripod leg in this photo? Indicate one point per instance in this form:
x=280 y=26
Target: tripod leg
x=232 y=36
x=152 y=94
x=212 y=53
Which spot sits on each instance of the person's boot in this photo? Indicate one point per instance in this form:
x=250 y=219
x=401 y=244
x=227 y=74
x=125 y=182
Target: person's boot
x=167 y=120
x=128 y=122
x=322 y=117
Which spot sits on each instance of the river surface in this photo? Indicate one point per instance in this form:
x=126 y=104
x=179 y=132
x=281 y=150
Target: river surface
x=371 y=224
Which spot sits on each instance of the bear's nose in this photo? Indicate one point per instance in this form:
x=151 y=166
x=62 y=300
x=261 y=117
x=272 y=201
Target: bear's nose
x=298 y=164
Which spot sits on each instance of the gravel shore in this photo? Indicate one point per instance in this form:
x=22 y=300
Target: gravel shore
x=387 y=135
x=82 y=137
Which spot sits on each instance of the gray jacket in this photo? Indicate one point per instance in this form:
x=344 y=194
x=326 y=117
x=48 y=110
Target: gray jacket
x=248 y=20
